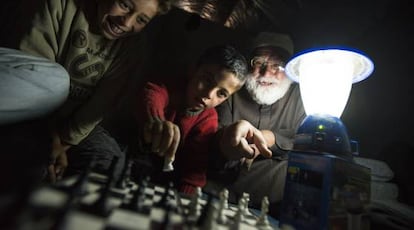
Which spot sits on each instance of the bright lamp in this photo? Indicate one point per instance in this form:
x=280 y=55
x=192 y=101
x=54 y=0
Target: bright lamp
x=325 y=78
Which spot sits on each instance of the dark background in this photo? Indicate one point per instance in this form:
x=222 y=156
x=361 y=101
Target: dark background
x=378 y=112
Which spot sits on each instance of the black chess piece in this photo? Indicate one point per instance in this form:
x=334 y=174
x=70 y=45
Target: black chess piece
x=101 y=206
x=124 y=179
x=146 y=163
x=76 y=191
x=204 y=211
x=166 y=196
x=166 y=222
x=79 y=188
x=138 y=199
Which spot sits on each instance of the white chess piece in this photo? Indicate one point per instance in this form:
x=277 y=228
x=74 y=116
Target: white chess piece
x=262 y=222
x=246 y=197
x=168 y=166
x=223 y=205
x=241 y=209
x=239 y=216
x=224 y=197
x=194 y=209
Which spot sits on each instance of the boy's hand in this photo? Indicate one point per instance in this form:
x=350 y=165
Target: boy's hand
x=164 y=137
x=58 y=161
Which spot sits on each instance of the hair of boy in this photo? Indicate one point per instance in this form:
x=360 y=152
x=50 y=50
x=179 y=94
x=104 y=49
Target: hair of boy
x=164 y=6
x=226 y=57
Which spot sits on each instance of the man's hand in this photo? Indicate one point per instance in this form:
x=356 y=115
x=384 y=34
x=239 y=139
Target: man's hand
x=243 y=140
x=58 y=161
x=164 y=137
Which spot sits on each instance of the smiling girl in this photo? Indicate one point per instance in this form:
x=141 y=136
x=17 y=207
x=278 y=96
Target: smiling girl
x=96 y=43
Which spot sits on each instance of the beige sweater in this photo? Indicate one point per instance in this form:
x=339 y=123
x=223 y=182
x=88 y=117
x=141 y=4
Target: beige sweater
x=66 y=31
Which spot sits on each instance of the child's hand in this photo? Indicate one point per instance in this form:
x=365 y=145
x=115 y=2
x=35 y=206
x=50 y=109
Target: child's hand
x=57 y=160
x=164 y=137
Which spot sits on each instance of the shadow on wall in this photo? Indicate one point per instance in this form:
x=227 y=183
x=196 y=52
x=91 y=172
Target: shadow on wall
x=15 y=18
x=399 y=156
x=179 y=37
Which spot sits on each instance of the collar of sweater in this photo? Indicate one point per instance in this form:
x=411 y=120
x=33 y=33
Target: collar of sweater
x=190 y=112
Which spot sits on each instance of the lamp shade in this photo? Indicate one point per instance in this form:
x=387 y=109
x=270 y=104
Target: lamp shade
x=325 y=77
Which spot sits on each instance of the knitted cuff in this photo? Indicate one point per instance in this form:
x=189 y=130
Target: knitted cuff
x=187 y=189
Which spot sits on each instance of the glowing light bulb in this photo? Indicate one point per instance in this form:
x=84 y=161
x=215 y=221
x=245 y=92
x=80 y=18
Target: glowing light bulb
x=325 y=78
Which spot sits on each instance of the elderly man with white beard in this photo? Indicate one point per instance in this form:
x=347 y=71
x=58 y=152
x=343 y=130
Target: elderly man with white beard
x=258 y=122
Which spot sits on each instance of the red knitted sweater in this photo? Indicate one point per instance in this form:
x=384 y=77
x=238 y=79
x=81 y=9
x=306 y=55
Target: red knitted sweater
x=197 y=129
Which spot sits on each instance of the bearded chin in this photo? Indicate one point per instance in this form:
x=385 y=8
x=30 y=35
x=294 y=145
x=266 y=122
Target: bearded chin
x=267 y=95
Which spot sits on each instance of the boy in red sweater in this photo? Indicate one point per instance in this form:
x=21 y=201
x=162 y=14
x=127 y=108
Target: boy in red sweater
x=179 y=119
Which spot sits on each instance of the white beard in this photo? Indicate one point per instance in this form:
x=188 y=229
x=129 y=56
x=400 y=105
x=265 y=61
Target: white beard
x=267 y=95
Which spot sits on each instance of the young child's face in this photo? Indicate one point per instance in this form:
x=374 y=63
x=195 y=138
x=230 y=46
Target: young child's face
x=210 y=86
x=121 y=18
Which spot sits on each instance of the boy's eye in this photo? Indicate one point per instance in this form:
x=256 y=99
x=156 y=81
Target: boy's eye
x=123 y=5
x=222 y=94
x=142 y=20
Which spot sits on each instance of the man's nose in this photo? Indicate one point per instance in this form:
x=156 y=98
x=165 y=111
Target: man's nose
x=263 y=69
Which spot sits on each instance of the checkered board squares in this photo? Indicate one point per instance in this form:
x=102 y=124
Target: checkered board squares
x=121 y=218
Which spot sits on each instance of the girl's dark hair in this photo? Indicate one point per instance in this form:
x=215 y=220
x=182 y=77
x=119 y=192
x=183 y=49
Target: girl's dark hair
x=227 y=57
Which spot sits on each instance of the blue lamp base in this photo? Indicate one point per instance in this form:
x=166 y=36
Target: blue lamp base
x=323 y=192
x=321 y=133
x=323 y=184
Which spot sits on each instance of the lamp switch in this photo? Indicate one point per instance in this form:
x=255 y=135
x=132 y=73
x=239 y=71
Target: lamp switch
x=354 y=147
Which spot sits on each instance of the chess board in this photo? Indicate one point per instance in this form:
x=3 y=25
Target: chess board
x=73 y=205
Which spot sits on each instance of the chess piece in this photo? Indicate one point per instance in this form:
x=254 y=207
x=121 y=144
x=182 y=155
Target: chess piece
x=60 y=220
x=167 y=196
x=138 y=199
x=224 y=197
x=194 y=210
x=101 y=206
x=223 y=205
x=212 y=214
x=79 y=188
x=125 y=175
x=241 y=206
x=204 y=211
x=75 y=192
x=263 y=222
x=166 y=222
x=246 y=198
x=168 y=164
x=239 y=216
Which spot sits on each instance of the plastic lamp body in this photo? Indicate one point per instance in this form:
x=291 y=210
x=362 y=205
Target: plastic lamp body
x=325 y=79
